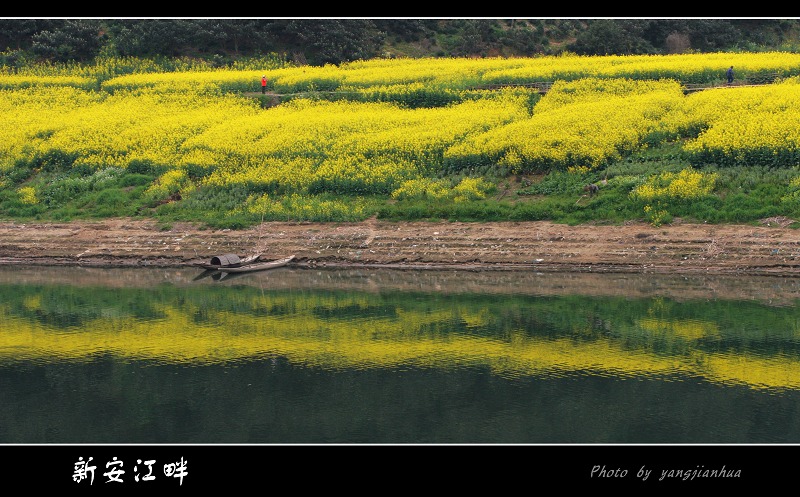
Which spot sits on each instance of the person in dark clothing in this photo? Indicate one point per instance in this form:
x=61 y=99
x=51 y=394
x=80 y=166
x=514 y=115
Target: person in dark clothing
x=264 y=84
x=729 y=74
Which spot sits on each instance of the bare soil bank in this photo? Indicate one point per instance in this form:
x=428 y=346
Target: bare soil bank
x=771 y=248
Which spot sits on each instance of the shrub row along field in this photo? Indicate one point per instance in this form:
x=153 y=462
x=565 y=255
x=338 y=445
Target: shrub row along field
x=466 y=139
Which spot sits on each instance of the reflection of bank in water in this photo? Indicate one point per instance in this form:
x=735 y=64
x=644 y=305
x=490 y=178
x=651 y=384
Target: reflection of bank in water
x=769 y=290
x=357 y=320
x=305 y=339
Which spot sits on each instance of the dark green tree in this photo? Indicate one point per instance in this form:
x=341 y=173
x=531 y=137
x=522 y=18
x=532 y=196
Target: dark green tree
x=17 y=34
x=525 y=38
x=704 y=35
x=151 y=37
x=225 y=36
x=613 y=37
x=76 y=39
x=470 y=42
x=333 y=41
x=405 y=30
x=464 y=37
x=709 y=35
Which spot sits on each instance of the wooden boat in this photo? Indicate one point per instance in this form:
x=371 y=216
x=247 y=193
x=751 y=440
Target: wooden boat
x=228 y=260
x=258 y=266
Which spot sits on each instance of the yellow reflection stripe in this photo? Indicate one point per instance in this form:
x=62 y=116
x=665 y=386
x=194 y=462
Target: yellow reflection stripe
x=372 y=344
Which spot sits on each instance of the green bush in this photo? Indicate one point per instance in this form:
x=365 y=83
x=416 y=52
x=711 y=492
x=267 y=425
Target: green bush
x=135 y=179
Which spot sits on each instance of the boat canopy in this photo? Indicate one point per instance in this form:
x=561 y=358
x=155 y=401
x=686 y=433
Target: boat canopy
x=225 y=260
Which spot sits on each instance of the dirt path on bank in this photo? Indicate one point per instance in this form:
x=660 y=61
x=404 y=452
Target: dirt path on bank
x=769 y=249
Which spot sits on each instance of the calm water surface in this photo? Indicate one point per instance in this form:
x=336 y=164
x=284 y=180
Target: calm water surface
x=178 y=356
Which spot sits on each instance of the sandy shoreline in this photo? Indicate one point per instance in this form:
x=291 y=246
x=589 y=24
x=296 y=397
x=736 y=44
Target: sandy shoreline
x=768 y=249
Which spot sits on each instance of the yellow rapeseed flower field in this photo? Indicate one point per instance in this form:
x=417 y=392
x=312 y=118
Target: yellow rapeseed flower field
x=376 y=132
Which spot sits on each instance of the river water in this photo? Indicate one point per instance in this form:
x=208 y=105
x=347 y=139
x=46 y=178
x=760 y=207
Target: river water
x=324 y=356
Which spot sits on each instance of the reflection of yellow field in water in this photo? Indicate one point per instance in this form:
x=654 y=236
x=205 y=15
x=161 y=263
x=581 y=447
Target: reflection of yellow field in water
x=376 y=342
x=690 y=329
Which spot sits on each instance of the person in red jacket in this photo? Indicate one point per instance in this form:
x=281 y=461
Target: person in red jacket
x=264 y=84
